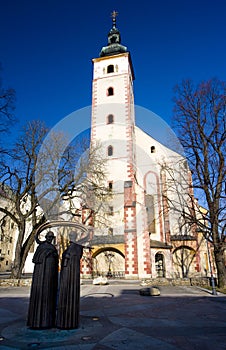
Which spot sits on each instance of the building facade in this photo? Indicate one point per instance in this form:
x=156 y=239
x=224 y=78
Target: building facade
x=145 y=235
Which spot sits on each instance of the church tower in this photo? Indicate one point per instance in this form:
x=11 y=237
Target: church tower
x=113 y=124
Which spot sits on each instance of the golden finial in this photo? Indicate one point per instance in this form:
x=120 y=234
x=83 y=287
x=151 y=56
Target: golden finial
x=114 y=14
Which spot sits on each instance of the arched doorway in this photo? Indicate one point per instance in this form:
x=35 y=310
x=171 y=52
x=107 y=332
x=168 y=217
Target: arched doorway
x=160 y=264
x=183 y=258
x=108 y=262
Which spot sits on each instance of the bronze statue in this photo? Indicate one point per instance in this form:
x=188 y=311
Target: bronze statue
x=69 y=292
x=43 y=296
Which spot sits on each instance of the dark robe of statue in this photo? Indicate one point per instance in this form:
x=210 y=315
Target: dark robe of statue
x=69 y=293
x=43 y=296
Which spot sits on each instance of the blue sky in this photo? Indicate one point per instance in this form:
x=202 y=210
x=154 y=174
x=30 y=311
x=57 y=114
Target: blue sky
x=47 y=46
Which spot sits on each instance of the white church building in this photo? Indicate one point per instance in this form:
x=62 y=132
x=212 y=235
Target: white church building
x=146 y=235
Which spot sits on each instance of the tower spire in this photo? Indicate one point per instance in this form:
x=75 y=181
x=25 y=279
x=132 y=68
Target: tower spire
x=114 y=40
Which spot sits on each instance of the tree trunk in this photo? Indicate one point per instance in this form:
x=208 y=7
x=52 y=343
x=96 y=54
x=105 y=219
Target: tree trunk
x=16 y=270
x=23 y=248
x=19 y=260
x=17 y=267
x=221 y=270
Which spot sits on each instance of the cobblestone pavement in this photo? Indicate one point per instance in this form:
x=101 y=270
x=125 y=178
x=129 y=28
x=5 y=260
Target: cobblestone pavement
x=116 y=316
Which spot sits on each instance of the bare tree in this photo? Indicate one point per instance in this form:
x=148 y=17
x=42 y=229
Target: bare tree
x=184 y=216
x=7 y=101
x=199 y=118
x=40 y=176
x=7 y=105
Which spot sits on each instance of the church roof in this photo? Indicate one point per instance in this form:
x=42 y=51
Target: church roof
x=114 y=46
x=158 y=244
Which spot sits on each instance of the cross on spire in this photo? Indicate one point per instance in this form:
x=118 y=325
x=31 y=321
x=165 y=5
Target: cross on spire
x=114 y=14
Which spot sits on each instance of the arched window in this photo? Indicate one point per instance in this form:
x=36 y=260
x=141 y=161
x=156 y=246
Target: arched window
x=110 y=231
x=160 y=264
x=110 y=68
x=152 y=149
x=110 y=91
x=110 y=151
x=110 y=119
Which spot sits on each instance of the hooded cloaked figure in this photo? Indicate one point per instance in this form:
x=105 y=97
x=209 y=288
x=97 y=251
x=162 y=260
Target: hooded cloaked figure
x=43 y=296
x=69 y=292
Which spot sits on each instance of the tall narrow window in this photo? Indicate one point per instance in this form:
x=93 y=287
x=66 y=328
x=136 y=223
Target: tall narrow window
x=150 y=210
x=110 y=185
x=110 y=91
x=110 y=150
x=110 y=68
x=111 y=210
x=110 y=119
